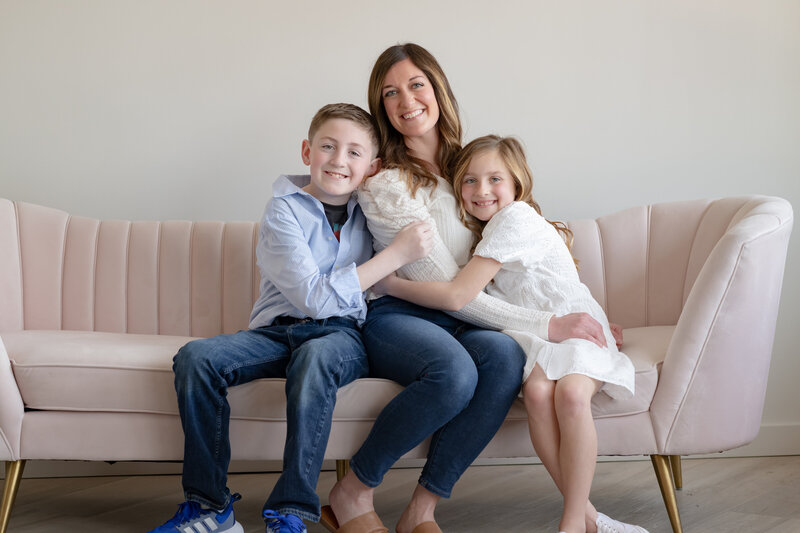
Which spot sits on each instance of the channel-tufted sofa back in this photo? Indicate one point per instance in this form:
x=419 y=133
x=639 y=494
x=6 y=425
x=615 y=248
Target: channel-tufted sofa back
x=172 y=278
x=641 y=263
x=199 y=278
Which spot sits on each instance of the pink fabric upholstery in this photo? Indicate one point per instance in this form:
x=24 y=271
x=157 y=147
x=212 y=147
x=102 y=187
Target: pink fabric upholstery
x=111 y=372
x=93 y=311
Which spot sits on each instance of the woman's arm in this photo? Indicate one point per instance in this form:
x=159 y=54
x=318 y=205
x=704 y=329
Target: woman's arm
x=446 y=295
x=388 y=206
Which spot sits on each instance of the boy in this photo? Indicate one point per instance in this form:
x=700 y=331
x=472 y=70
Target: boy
x=314 y=257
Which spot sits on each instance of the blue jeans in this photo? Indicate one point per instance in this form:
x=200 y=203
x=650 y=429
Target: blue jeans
x=460 y=382
x=316 y=358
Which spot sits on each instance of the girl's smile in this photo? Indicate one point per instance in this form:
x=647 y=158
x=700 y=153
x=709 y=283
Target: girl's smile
x=487 y=186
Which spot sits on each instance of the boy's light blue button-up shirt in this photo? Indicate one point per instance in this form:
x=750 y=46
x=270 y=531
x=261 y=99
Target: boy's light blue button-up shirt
x=305 y=271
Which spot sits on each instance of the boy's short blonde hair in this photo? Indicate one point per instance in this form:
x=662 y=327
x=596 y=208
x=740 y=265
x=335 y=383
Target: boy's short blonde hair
x=350 y=112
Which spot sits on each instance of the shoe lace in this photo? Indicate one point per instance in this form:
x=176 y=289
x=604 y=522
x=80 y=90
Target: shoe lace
x=187 y=511
x=288 y=523
x=608 y=526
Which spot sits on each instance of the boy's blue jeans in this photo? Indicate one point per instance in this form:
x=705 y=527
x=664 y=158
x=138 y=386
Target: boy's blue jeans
x=316 y=357
x=459 y=384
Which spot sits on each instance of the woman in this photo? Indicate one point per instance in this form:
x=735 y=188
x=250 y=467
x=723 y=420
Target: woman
x=460 y=379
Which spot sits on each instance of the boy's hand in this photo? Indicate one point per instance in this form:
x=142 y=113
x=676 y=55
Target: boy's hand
x=414 y=241
x=616 y=330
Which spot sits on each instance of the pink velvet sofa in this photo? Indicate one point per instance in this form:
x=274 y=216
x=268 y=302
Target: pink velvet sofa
x=91 y=313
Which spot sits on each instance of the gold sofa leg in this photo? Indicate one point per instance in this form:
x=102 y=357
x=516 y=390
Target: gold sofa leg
x=342 y=468
x=661 y=464
x=677 y=475
x=13 y=476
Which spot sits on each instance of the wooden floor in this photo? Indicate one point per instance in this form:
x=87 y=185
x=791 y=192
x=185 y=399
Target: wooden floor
x=725 y=494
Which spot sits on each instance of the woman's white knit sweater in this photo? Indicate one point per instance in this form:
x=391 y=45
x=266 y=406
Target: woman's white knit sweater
x=388 y=206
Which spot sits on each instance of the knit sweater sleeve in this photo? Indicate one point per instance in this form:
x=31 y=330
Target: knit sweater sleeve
x=388 y=206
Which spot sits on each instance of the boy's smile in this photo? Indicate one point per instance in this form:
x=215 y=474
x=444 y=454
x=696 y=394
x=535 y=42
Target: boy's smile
x=339 y=156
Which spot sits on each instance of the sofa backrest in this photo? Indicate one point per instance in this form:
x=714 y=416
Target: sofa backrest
x=199 y=278
x=641 y=263
x=169 y=278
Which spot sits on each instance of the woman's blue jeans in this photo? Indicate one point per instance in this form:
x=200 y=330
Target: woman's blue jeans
x=316 y=358
x=459 y=384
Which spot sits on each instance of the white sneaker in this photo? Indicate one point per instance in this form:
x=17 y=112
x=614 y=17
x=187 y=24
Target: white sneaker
x=606 y=524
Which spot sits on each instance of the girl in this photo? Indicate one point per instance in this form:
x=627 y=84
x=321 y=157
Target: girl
x=522 y=259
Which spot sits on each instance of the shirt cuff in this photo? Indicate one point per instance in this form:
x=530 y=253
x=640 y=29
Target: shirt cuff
x=348 y=287
x=541 y=327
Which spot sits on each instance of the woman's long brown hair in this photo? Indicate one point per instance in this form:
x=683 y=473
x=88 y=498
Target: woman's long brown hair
x=393 y=151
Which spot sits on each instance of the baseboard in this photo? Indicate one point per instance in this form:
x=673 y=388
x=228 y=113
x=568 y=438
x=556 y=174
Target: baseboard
x=772 y=439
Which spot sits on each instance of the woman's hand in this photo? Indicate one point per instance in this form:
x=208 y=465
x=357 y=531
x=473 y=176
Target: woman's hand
x=576 y=326
x=616 y=330
x=414 y=241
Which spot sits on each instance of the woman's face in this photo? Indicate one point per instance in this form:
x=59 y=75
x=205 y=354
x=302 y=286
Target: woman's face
x=409 y=100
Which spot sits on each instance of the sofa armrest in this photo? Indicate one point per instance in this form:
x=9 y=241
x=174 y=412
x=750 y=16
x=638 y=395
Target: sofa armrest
x=712 y=387
x=11 y=410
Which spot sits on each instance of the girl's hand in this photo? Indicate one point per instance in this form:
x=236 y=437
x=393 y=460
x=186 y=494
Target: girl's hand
x=383 y=287
x=414 y=241
x=616 y=330
x=576 y=326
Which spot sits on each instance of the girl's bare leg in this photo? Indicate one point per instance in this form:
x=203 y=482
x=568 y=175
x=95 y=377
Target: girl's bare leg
x=578 y=450
x=539 y=398
x=538 y=394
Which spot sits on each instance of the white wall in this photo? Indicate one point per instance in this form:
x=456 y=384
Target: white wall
x=152 y=109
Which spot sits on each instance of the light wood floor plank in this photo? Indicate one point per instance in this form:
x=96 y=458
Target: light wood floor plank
x=760 y=494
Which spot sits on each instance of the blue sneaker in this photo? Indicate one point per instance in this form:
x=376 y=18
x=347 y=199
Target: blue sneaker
x=191 y=518
x=283 y=523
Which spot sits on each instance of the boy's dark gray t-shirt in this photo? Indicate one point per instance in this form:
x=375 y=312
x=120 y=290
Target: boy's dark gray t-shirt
x=337 y=216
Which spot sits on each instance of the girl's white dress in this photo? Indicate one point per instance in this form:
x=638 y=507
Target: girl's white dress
x=538 y=272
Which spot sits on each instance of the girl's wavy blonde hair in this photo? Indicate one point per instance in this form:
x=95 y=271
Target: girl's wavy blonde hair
x=512 y=154
x=393 y=149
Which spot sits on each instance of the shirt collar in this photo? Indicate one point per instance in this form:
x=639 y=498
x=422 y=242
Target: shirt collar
x=290 y=184
x=287 y=185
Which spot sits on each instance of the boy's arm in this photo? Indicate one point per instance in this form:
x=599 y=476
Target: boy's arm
x=412 y=242
x=446 y=295
x=286 y=260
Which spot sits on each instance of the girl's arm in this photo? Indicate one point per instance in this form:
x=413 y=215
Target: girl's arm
x=445 y=295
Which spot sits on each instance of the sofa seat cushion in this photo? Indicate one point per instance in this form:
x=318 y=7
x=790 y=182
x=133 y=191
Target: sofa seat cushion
x=119 y=372
x=94 y=371
x=647 y=348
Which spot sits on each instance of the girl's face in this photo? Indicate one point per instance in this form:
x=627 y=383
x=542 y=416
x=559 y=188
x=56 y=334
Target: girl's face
x=487 y=186
x=409 y=100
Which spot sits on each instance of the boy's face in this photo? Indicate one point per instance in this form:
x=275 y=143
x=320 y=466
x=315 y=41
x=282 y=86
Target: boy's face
x=340 y=155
